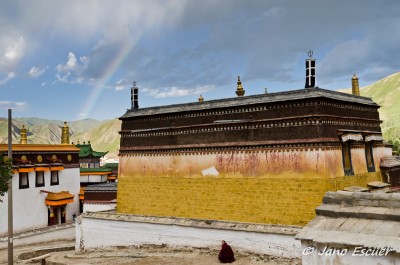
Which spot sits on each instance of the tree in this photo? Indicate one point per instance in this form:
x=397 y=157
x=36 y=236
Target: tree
x=395 y=146
x=5 y=174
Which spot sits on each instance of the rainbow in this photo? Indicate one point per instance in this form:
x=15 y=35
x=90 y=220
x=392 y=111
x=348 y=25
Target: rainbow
x=108 y=72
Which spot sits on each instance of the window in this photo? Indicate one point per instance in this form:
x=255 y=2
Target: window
x=369 y=157
x=23 y=180
x=39 y=179
x=54 y=178
x=346 y=153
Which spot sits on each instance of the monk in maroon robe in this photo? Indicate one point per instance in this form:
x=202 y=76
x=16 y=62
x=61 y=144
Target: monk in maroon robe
x=226 y=253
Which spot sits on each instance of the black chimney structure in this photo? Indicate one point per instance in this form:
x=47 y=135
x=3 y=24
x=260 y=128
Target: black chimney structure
x=134 y=96
x=310 y=70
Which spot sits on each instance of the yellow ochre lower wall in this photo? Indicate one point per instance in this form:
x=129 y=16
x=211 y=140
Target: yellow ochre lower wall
x=288 y=198
x=261 y=186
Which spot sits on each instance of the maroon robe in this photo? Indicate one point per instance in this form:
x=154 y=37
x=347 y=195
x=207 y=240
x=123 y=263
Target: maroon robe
x=226 y=254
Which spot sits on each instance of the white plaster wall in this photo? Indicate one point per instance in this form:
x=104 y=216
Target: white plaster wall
x=96 y=233
x=93 y=178
x=66 y=232
x=29 y=209
x=70 y=180
x=317 y=257
x=96 y=207
x=379 y=152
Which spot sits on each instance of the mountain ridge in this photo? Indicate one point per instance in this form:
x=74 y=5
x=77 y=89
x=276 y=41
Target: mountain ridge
x=104 y=135
x=45 y=131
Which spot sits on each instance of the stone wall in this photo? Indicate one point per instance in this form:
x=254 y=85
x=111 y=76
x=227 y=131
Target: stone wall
x=353 y=228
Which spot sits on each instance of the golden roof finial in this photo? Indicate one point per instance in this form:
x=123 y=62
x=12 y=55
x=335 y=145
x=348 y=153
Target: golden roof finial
x=239 y=90
x=65 y=134
x=201 y=99
x=355 y=90
x=23 y=133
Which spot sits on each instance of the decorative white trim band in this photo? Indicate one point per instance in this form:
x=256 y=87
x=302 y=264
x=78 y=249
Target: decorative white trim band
x=373 y=137
x=352 y=136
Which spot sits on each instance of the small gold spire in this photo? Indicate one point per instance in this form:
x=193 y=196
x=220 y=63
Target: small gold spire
x=65 y=134
x=239 y=90
x=354 y=85
x=23 y=131
x=201 y=99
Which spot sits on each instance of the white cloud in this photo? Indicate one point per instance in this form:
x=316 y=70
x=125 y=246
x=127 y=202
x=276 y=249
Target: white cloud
x=18 y=106
x=7 y=78
x=182 y=43
x=370 y=57
x=11 y=75
x=176 y=91
x=273 y=12
x=36 y=71
x=15 y=50
x=120 y=85
x=12 y=50
x=72 y=68
x=70 y=65
x=74 y=20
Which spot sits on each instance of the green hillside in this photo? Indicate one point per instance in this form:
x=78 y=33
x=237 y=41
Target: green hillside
x=83 y=125
x=386 y=93
x=104 y=137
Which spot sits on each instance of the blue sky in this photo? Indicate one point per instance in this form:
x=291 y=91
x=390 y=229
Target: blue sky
x=71 y=60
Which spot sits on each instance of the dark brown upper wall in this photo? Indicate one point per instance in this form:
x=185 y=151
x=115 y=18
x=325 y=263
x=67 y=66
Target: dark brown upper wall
x=220 y=137
x=309 y=114
x=100 y=196
x=297 y=130
x=256 y=112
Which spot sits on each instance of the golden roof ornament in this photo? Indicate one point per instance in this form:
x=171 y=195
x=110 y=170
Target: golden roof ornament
x=23 y=132
x=239 y=90
x=201 y=99
x=65 y=134
x=355 y=90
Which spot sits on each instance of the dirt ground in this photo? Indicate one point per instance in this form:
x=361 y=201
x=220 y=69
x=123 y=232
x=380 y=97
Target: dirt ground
x=162 y=255
x=147 y=255
x=19 y=250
